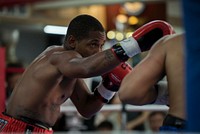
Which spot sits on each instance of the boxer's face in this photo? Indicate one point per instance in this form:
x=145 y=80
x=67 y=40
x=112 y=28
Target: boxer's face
x=92 y=44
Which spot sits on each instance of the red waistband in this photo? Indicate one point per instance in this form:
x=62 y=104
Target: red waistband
x=9 y=124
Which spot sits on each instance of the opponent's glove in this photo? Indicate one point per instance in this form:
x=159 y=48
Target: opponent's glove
x=111 y=82
x=142 y=39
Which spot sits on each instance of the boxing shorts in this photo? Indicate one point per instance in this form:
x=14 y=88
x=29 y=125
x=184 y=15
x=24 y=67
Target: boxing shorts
x=9 y=124
x=173 y=124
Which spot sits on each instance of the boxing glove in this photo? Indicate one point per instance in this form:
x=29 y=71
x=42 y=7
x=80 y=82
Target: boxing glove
x=142 y=39
x=111 y=82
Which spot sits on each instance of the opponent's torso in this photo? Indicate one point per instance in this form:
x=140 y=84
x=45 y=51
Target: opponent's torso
x=41 y=91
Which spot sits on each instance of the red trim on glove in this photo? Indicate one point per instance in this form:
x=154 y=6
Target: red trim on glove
x=163 y=25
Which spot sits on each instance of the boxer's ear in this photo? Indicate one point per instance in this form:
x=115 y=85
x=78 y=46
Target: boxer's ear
x=71 y=41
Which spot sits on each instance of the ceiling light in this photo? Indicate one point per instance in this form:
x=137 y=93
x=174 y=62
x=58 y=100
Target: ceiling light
x=134 y=8
x=50 y=29
x=133 y=20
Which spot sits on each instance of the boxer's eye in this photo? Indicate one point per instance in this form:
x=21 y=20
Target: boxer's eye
x=93 y=45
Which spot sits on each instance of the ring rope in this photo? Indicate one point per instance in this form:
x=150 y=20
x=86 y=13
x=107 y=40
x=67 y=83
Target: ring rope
x=118 y=107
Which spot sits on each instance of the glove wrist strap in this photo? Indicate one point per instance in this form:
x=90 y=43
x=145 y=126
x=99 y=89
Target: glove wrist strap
x=130 y=46
x=120 y=53
x=104 y=93
x=126 y=49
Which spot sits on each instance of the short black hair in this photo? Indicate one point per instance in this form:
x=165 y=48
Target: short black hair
x=81 y=25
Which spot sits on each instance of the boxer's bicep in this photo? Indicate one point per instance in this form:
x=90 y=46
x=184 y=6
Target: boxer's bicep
x=68 y=63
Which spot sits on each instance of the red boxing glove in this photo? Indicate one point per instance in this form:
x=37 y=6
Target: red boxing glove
x=142 y=39
x=111 y=81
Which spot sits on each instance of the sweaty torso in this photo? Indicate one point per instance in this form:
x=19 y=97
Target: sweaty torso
x=41 y=91
x=175 y=75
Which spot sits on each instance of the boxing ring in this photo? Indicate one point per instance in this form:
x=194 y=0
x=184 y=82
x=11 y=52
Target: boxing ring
x=191 y=12
x=123 y=108
x=119 y=107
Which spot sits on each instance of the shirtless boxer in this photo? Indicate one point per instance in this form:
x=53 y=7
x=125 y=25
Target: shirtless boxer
x=166 y=57
x=55 y=75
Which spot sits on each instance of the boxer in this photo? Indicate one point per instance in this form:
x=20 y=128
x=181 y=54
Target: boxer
x=56 y=74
